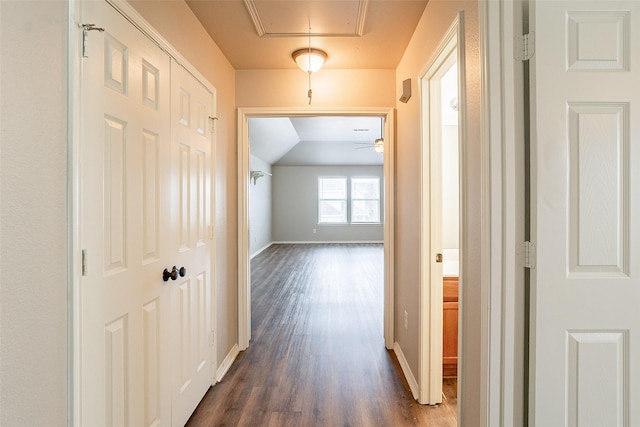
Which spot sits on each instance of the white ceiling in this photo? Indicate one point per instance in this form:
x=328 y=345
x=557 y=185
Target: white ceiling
x=307 y=141
x=356 y=34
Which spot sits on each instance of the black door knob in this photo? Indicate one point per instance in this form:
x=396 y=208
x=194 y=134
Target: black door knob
x=182 y=271
x=173 y=274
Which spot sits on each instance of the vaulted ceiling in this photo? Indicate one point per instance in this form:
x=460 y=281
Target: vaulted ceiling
x=310 y=141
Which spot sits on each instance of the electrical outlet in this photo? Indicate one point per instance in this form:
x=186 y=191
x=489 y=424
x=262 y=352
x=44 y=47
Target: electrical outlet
x=406 y=320
x=314 y=231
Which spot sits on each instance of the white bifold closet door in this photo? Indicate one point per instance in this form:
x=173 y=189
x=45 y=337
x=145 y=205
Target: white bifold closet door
x=145 y=206
x=585 y=209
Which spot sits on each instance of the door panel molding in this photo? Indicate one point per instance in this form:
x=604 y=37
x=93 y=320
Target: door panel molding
x=584 y=173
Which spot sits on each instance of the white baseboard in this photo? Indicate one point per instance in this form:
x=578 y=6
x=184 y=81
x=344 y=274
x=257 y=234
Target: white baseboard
x=311 y=242
x=260 y=250
x=406 y=370
x=227 y=362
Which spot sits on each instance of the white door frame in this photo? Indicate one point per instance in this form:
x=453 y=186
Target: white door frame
x=75 y=182
x=244 y=268
x=502 y=393
x=430 y=348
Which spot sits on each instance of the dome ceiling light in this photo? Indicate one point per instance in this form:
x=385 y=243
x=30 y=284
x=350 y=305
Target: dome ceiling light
x=309 y=59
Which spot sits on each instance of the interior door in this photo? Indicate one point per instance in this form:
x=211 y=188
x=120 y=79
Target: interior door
x=585 y=205
x=124 y=364
x=436 y=279
x=191 y=129
x=435 y=132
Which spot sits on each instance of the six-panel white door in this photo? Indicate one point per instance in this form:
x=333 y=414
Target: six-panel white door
x=191 y=235
x=124 y=302
x=586 y=203
x=137 y=330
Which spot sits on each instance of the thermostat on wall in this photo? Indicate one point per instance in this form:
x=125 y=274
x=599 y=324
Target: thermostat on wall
x=406 y=91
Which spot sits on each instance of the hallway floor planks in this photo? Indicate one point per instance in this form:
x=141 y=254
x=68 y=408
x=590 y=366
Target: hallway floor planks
x=317 y=355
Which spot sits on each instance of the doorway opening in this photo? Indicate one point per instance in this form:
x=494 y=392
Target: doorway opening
x=317 y=181
x=441 y=219
x=244 y=182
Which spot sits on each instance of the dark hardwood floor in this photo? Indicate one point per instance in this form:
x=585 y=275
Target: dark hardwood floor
x=317 y=355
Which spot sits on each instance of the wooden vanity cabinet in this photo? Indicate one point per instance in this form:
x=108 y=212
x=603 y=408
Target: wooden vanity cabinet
x=450 y=327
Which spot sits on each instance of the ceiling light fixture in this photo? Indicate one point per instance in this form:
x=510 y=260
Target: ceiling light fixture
x=378 y=144
x=309 y=59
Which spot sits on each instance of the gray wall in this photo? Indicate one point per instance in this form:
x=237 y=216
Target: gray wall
x=295 y=205
x=259 y=207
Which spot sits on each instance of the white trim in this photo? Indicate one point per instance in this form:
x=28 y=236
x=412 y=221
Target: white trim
x=312 y=242
x=226 y=363
x=406 y=370
x=212 y=233
x=502 y=365
x=244 y=288
x=262 y=249
x=75 y=248
x=430 y=323
x=487 y=345
x=244 y=266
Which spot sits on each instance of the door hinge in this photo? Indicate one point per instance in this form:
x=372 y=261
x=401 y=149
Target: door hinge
x=84 y=262
x=524 y=47
x=213 y=336
x=527 y=255
x=85 y=37
x=212 y=122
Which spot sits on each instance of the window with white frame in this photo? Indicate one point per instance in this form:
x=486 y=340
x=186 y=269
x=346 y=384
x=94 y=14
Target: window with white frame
x=365 y=200
x=332 y=200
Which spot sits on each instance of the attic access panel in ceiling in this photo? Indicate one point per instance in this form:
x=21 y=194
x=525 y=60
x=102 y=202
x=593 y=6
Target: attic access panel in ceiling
x=385 y=26
x=326 y=18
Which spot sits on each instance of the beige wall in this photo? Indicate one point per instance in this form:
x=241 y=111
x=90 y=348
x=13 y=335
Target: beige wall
x=331 y=88
x=177 y=24
x=33 y=213
x=437 y=18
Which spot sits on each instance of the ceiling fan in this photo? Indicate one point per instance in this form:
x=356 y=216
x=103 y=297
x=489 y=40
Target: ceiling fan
x=378 y=144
